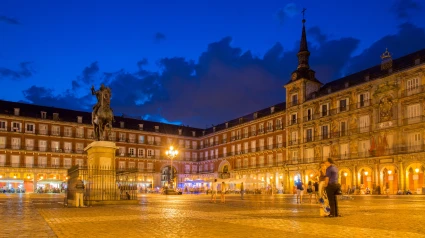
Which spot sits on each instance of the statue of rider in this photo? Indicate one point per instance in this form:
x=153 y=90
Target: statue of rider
x=99 y=94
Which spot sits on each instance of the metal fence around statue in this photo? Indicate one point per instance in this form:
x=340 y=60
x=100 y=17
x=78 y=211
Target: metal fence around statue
x=103 y=183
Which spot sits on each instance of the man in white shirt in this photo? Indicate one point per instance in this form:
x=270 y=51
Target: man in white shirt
x=214 y=191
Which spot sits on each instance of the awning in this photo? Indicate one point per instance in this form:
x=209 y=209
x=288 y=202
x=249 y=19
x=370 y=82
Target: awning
x=46 y=181
x=194 y=181
x=11 y=181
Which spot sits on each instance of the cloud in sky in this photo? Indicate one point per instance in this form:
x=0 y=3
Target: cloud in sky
x=9 y=20
x=24 y=71
x=289 y=10
x=159 y=37
x=225 y=82
x=403 y=8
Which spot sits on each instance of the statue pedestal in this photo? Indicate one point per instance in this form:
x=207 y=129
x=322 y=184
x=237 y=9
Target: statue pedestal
x=101 y=178
x=101 y=154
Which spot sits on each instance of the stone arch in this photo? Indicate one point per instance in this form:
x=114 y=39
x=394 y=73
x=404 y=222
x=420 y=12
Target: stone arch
x=414 y=175
x=365 y=177
x=222 y=166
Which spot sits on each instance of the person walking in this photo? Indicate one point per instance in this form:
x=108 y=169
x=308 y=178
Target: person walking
x=214 y=191
x=300 y=191
x=316 y=190
x=242 y=190
x=310 y=190
x=223 y=192
x=321 y=175
x=331 y=184
x=79 y=193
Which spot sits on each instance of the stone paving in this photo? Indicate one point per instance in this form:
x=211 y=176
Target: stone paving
x=194 y=216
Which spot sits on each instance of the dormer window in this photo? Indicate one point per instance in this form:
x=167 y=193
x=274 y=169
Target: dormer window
x=329 y=90
x=16 y=111
x=255 y=115
x=180 y=132
x=156 y=128
x=43 y=115
x=227 y=125
x=417 y=61
x=203 y=133
x=56 y=116
x=346 y=84
x=272 y=110
x=366 y=78
x=193 y=133
x=214 y=129
x=141 y=127
x=240 y=120
x=80 y=119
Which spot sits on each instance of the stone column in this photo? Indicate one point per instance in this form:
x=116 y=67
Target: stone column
x=401 y=173
x=377 y=175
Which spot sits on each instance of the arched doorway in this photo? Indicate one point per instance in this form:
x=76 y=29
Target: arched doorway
x=415 y=178
x=366 y=180
x=389 y=178
x=168 y=177
x=345 y=180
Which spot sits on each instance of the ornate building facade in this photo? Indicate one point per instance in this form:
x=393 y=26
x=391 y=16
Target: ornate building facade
x=371 y=122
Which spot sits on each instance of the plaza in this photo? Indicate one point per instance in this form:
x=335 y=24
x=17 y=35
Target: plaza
x=43 y=215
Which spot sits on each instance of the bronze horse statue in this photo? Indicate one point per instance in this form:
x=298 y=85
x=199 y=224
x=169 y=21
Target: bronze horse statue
x=102 y=115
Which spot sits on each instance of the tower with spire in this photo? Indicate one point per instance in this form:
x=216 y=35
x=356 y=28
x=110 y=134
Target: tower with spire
x=303 y=80
x=302 y=85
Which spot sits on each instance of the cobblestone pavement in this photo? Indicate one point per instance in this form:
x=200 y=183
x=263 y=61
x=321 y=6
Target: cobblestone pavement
x=195 y=216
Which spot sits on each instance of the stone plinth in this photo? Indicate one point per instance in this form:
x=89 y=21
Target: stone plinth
x=101 y=153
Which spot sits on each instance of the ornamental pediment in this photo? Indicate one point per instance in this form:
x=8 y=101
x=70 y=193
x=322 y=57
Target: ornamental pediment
x=387 y=87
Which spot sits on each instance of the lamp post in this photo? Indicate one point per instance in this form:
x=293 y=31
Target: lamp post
x=171 y=153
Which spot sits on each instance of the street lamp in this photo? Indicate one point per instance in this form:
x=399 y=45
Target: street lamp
x=171 y=153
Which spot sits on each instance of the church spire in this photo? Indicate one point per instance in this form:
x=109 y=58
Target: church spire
x=303 y=54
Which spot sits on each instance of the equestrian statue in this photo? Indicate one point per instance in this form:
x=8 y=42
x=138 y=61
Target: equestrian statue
x=102 y=115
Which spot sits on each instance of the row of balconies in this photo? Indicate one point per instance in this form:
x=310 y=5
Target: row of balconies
x=40 y=148
x=331 y=135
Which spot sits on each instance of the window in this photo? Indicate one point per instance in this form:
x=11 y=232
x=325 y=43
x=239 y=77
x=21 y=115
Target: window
x=158 y=141
x=364 y=123
x=194 y=145
x=54 y=162
x=294 y=155
x=324 y=110
x=80 y=132
x=16 y=126
x=279 y=123
x=245 y=132
x=246 y=147
x=253 y=161
x=270 y=160
x=140 y=153
x=412 y=86
x=309 y=155
x=30 y=128
x=55 y=146
x=261 y=160
x=224 y=138
x=270 y=143
x=261 y=141
x=131 y=165
x=294 y=99
x=121 y=164
x=67 y=162
x=79 y=119
x=141 y=139
x=122 y=137
x=79 y=162
x=238 y=136
x=15 y=159
x=413 y=113
x=414 y=142
x=364 y=147
x=3 y=125
x=344 y=151
x=187 y=144
x=261 y=128
x=42 y=161
x=141 y=165
x=42 y=129
x=253 y=130
x=294 y=137
x=279 y=158
x=195 y=156
x=270 y=126
x=309 y=114
x=29 y=144
x=121 y=151
x=42 y=145
x=43 y=115
x=112 y=135
x=132 y=152
x=150 y=153
x=343 y=128
x=132 y=138
x=187 y=155
x=325 y=132
x=363 y=100
x=343 y=105
x=79 y=147
x=326 y=152
x=293 y=119
x=16 y=143
x=279 y=139
x=253 y=146
x=2 y=142
x=309 y=135
x=67 y=131
x=56 y=130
